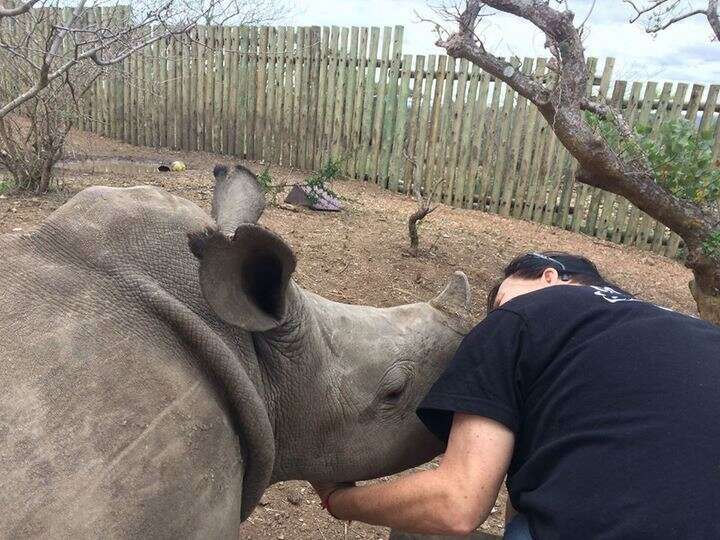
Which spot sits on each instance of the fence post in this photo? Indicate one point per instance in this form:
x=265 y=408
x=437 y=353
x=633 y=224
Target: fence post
x=361 y=62
x=377 y=126
x=391 y=107
x=405 y=169
x=395 y=167
x=340 y=90
x=455 y=124
x=422 y=147
x=508 y=175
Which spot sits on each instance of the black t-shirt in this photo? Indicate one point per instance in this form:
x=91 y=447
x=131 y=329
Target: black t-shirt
x=615 y=406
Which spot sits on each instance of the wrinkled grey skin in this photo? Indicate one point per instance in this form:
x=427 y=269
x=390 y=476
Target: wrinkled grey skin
x=134 y=405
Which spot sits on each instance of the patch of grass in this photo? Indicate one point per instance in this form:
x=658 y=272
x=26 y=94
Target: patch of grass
x=5 y=185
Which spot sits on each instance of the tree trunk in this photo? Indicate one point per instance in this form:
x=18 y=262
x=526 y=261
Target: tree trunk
x=705 y=287
x=417 y=216
x=708 y=304
x=45 y=176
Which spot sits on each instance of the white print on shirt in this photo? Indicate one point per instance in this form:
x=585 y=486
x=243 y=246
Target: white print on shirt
x=611 y=295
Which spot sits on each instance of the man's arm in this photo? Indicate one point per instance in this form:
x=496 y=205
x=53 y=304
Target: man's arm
x=453 y=499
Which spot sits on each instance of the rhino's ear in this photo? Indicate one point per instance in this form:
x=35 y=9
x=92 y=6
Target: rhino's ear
x=237 y=198
x=455 y=297
x=245 y=279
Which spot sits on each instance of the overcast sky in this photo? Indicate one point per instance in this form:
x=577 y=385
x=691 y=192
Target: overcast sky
x=682 y=53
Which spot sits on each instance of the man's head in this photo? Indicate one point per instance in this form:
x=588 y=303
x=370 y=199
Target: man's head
x=534 y=271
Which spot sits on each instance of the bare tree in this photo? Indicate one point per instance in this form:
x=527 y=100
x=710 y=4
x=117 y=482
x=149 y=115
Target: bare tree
x=425 y=207
x=662 y=14
x=33 y=143
x=563 y=102
x=50 y=42
x=50 y=56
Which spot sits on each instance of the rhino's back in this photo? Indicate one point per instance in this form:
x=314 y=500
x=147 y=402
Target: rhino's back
x=108 y=427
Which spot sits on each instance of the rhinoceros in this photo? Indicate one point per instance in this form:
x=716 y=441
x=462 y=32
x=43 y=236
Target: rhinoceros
x=160 y=368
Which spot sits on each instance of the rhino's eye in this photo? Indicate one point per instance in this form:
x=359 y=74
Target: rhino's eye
x=395 y=383
x=394 y=394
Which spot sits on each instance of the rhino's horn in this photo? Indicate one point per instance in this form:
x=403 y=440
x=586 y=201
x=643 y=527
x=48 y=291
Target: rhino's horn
x=455 y=297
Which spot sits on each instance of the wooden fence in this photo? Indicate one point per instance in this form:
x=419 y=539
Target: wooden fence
x=299 y=96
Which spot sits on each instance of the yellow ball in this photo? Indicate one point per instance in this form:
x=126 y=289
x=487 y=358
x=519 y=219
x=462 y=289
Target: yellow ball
x=178 y=166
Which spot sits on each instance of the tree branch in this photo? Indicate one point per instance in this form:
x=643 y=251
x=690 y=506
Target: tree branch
x=679 y=18
x=665 y=13
x=18 y=10
x=639 y=12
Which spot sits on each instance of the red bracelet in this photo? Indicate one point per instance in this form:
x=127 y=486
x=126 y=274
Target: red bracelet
x=326 y=502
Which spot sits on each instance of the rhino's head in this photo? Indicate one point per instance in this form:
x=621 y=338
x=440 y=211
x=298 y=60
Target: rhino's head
x=341 y=382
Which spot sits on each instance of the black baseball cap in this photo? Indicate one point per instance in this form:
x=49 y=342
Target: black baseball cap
x=566 y=264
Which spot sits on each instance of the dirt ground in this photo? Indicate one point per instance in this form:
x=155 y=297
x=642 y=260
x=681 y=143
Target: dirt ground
x=358 y=256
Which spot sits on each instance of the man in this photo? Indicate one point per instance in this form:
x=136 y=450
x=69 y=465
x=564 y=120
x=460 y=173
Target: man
x=602 y=410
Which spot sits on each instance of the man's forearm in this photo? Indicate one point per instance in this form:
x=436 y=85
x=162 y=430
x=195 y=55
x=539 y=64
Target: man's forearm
x=452 y=499
x=420 y=503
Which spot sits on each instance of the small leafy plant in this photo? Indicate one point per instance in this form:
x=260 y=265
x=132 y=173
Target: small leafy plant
x=265 y=180
x=318 y=180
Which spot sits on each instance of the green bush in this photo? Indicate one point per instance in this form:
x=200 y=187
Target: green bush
x=318 y=180
x=680 y=157
x=682 y=160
